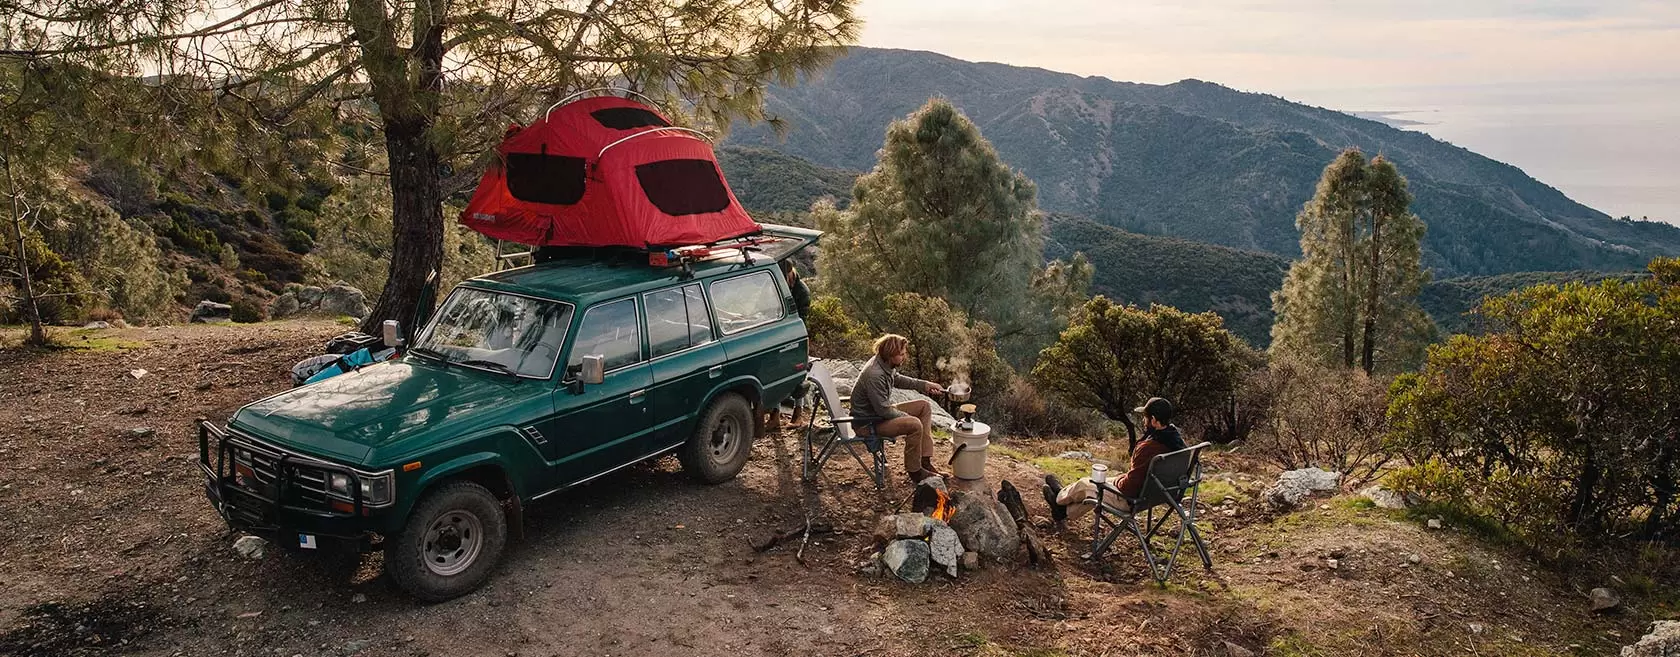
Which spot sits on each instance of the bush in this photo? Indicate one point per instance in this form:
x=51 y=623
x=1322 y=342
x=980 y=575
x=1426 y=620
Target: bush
x=297 y=241
x=1022 y=412
x=247 y=311
x=946 y=347
x=834 y=333
x=1320 y=417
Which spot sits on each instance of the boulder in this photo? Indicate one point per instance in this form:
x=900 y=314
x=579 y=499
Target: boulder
x=1662 y=641
x=907 y=560
x=284 y=305
x=97 y=325
x=250 y=547
x=971 y=560
x=1079 y=455
x=1295 y=486
x=946 y=547
x=341 y=299
x=309 y=296
x=210 y=311
x=1604 y=599
x=903 y=525
x=984 y=525
x=1387 y=498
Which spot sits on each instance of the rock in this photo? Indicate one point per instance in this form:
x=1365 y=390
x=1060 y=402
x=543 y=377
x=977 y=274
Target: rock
x=870 y=567
x=1295 y=486
x=1662 y=641
x=341 y=299
x=1234 y=650
x=138 y=373
x=984 y=525
x=284 y=305
x=250 y=547
x=907 y=560
x=357 y=645
x=1388 y=499
x=309 y=296
x=971 y=560
x=1332 y=564
x=1074 y=454
x=1414 y=558
x=359 y=598
x=141 y=433
x=1604 y=599
x=210 y=311
x=903 y=525
x=97 y=325
x=946 y=548
x=1435 y=523
x=1477 y=628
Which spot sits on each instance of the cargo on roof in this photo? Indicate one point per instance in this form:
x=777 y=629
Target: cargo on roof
x=606 y=171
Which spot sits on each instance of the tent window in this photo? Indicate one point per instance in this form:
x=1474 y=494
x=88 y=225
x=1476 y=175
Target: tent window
x=551 y=179
x=625 y=118
x=679 y=187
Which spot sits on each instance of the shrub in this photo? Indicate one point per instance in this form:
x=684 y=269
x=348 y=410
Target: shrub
x=297 y=241
x=1320 y=417
x=946 y=347
x=835 y=333
x=1022 y=411
x=247 y=311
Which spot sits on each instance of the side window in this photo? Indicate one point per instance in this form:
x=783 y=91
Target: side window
x=677 y=320
x=612 y=331
x=746 y=301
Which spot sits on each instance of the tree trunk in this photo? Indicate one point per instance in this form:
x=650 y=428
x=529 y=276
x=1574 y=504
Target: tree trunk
x=1370 y=347
x=416 y=226
x=37 y=333
x=1131 y=433
x=1581 y=506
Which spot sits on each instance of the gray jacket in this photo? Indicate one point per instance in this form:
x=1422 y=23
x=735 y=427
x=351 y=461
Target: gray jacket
x=874 y=388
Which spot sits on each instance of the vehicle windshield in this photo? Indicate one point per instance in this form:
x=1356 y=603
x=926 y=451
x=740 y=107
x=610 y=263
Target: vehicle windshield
x=498 y=332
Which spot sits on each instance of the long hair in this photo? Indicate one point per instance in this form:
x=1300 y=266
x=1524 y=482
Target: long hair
x=890 y=345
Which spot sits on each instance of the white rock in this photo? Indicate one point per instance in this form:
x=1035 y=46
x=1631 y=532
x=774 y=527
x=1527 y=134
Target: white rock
x=946 y=547
x=1662 y=641
x=250 y=547
x=1435 y=523
x=1295 y=486
x=1386 y=498
x=1604 y=599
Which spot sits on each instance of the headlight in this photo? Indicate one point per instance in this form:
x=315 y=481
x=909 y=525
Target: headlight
x=338 y=484
x=376 y=490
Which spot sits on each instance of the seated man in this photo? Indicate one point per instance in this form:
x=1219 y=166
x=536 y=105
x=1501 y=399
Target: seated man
x=913 y=419
x=1160 y=436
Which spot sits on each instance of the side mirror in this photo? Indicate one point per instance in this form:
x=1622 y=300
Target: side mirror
x=594 y=369
x=392 y=333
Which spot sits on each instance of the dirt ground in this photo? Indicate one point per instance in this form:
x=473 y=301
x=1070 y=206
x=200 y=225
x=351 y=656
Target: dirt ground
x=109 y=547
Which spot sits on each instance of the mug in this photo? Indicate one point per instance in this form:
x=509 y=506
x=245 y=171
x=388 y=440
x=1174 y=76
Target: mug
x=1099 y=473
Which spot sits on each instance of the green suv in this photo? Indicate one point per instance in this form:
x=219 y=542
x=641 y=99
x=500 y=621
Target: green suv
x=524 y=383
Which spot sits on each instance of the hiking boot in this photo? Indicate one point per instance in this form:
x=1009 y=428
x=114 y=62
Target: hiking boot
x=927 y=466
x=1053 y=488
x=917 y=477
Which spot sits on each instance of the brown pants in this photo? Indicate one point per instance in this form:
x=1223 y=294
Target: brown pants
x=916 y=426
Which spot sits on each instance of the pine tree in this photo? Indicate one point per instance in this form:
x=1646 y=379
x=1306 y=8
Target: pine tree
x=942 y=216
x=1352 y=297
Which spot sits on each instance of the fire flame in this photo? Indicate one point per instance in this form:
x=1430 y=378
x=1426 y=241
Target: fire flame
x=943 y=510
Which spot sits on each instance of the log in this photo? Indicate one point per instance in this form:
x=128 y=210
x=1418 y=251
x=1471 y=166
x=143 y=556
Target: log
x=1010 y=498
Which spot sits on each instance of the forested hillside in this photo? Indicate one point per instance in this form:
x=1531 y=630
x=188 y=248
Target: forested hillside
x=1201 y=161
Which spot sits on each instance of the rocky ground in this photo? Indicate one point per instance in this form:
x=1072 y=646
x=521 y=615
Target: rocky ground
x=110 y=548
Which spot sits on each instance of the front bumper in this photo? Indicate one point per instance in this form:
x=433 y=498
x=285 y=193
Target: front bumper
x=274 y=500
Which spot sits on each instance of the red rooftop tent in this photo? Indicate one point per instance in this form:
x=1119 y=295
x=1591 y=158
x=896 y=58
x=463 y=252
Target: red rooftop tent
x=605 y=171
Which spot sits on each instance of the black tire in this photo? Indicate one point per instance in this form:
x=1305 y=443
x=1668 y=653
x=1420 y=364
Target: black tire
x=721 y=442
x=451 y=543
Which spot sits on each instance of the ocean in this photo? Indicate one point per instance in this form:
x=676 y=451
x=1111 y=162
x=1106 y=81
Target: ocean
x=1612 y=145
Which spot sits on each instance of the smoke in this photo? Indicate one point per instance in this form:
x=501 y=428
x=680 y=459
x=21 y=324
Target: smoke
x=955 y=366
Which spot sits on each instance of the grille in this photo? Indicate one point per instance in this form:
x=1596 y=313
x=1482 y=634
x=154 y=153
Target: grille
x=307 y=484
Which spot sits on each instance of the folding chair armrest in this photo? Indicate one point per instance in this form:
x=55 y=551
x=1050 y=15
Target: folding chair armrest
x=841 y=420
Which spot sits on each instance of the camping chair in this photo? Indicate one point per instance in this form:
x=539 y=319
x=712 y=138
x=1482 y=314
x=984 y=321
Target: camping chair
x=832 y=430
x=1169 y=477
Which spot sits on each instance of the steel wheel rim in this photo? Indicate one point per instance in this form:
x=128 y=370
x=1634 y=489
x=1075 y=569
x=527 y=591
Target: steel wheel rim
x=724 y=439
x=451 y=545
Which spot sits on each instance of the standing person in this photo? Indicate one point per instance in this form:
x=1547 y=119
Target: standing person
x=913 y=419
x=1160 y=436
x=801 y=293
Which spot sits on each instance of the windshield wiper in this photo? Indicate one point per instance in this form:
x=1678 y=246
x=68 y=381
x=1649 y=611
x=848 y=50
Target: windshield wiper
x=429 y=353
x=489 y=364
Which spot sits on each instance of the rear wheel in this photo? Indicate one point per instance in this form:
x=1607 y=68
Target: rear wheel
x=721 y=442
x=452 y=541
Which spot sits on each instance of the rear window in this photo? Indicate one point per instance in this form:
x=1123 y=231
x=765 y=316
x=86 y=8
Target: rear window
x=679 y=187
x=746 y=301
x=676 y=320
x=625 y=118
x=543 y=178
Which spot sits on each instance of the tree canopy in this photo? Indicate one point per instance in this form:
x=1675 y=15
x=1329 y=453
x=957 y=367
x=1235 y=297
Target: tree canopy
x=438 y=79
x=1352 y=297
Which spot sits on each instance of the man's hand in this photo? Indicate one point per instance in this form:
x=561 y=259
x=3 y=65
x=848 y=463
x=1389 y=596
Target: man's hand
x=935 y=389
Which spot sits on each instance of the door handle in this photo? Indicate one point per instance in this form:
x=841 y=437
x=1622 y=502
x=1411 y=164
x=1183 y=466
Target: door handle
x=638 y=396
x=715 y=372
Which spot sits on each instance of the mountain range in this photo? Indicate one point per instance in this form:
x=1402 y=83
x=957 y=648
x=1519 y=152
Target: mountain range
x=1198 y=161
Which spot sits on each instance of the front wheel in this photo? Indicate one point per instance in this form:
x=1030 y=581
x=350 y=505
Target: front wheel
x=452 y=541
x=721 y=442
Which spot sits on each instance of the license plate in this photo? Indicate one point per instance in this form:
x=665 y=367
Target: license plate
x=307 y=541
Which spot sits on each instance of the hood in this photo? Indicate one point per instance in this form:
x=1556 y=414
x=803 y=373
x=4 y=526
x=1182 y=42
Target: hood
x=349 y=416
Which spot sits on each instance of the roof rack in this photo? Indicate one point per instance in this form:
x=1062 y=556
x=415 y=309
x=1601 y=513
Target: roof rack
x=622 y=92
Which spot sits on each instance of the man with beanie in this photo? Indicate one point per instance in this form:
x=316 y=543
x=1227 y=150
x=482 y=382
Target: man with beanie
x=1160 y=436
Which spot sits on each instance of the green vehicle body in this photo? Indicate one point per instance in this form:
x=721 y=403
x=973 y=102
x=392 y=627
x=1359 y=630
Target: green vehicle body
x=417 y=423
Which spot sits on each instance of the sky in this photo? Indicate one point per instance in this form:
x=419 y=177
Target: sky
x=1583 y=95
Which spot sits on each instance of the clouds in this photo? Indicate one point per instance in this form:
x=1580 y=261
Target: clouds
x=1298 y=44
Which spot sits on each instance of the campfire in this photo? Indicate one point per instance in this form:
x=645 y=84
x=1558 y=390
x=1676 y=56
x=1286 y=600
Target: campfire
x=933 y=501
